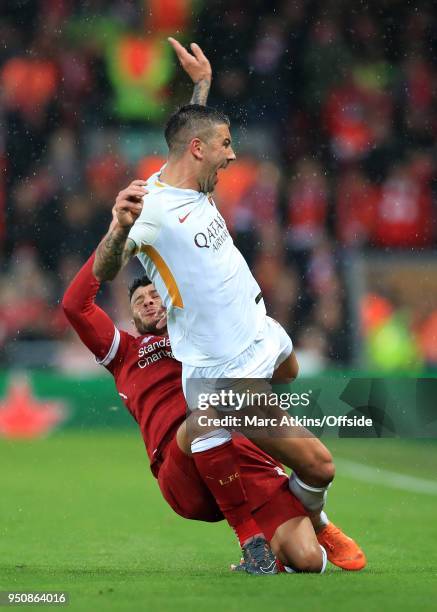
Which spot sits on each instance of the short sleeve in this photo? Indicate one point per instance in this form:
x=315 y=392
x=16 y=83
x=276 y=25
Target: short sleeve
x=146 y=228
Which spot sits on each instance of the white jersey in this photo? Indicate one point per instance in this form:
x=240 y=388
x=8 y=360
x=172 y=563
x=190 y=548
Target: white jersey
x=214 y=305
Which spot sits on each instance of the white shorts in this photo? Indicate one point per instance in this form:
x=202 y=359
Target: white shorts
x=266 y=353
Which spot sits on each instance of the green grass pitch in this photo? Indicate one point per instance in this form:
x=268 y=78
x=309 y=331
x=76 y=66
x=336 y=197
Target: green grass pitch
x=80 y=512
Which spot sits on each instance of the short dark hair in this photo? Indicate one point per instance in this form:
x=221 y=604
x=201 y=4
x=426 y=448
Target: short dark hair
x=141 y=281
x=189 y=121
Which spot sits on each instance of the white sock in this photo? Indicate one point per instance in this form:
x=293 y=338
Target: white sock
x=323 y=519
x=212 y=439
x=325 y=560
x=313 y=498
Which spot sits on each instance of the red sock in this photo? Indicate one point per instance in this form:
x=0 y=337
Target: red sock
x=220 y=471
x=247 y=530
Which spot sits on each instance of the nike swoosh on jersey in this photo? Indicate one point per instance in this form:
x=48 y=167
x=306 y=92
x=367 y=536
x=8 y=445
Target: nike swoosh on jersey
x=182 y=219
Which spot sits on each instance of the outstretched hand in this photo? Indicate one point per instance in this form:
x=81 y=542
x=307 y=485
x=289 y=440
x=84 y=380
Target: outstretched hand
x=195 y=64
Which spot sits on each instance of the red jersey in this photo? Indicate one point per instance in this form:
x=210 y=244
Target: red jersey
x=147 y=377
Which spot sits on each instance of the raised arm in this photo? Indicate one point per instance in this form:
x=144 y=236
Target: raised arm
x=115 y=250
x=198 y=68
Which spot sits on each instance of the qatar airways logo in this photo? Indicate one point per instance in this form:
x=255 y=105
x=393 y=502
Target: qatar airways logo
x=215 y=234
x=154 y=351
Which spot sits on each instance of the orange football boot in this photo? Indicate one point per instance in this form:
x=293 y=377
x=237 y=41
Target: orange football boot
x=342 y=551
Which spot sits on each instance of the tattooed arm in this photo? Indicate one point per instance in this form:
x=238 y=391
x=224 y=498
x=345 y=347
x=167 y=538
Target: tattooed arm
x=115 y=250
x=197 y=67
x=200 y=92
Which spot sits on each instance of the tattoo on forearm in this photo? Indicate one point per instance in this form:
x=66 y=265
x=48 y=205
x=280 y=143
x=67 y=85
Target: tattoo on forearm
x=109 y=255
x=200 y=92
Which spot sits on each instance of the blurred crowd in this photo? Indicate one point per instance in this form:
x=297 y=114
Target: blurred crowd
x=333 y=104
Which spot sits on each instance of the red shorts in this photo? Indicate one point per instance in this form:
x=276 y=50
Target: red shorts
x=264 y=480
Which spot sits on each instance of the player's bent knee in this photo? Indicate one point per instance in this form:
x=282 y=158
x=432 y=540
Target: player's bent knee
x=311 y=563
x=319 y=475
x=319 y=469
x=327 y=472
x=305 y=559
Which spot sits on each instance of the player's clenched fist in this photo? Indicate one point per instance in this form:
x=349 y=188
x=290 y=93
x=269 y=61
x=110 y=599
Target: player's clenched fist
x=129 y=204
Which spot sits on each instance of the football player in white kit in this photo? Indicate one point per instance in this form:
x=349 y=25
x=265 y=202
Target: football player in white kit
x=216 y=317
